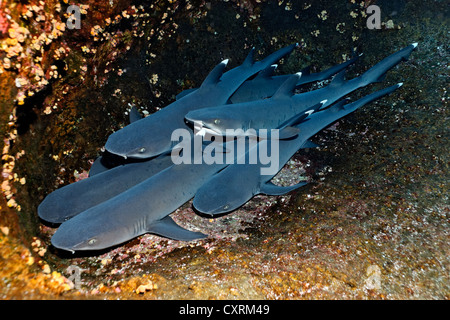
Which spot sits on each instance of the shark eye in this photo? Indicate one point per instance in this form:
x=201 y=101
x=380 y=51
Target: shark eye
x=141 y=150
x=92 y=241
x=216 y=121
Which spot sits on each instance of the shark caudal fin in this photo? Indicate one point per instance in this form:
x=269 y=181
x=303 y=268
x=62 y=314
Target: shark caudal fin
x=378 y=72
x=371 y=97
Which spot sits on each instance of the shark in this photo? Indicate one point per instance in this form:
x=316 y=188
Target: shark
x=151 y=136
x=284 y=104
x=104 y=183
x=72 y=199
x=238 y=183
x=144 y=207
x=265 y=84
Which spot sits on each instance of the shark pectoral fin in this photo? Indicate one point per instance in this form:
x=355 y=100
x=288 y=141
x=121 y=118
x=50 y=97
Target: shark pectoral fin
x=134 y=114
x=185 y=93
x=309 y=144
x=270 y=189
x=214 y=76
x=288 y=132
x=166 y=227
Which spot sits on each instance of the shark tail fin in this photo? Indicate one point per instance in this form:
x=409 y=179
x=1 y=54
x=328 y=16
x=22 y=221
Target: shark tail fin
x=288 y=86
x=214 y=76
x=371 y=97
x=379 y=70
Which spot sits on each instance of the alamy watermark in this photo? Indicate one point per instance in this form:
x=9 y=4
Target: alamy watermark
x=74 y=20
x=75 y=275
x=374 y=20
x=243 y=148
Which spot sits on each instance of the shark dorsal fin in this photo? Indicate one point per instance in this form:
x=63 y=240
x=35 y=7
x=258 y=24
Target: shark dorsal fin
x=267 y=72
x=338 y=79
x=134 y=114
x=214 y=76
x=288 y=86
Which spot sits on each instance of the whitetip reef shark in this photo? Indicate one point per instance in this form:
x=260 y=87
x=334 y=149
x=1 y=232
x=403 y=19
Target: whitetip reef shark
x=265 y=84
x=142 y=195
x=104 y=183
x=284 y=104
x=143 y=208
x=238 y=183
x=151 y=136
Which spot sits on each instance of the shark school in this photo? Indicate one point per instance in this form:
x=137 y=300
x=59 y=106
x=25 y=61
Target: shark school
x=235 y=147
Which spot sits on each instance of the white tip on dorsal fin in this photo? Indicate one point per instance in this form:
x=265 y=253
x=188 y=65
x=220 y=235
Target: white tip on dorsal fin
x=267 y=72
x=288 y=86
x=214 y=76
x=415 y=44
